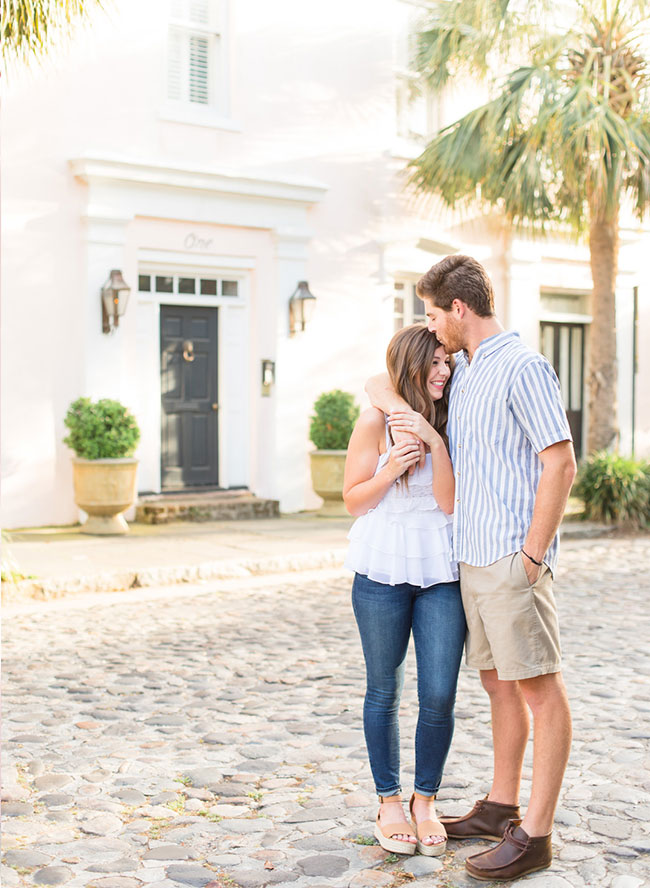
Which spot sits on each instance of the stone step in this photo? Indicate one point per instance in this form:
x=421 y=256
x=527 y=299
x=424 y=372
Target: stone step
x=216 y=505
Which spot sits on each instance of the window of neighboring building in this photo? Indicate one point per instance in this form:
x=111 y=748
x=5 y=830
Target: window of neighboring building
x=417 y=108
x=197 y=86
x=408 y=308
x=418 y=111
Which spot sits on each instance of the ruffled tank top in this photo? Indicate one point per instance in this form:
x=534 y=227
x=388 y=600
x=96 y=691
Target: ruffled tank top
x=406 y=538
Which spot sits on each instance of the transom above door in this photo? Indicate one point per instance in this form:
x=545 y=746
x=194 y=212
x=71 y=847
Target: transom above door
x=189 y=397
x=188 y=285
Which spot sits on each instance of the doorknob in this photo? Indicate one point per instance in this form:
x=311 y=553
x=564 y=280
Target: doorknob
x=188 y=350
x=215 y=406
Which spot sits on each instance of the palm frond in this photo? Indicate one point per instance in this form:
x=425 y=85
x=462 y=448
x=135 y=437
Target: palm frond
x=562 y=139
x=28 y=27
x=461 y=37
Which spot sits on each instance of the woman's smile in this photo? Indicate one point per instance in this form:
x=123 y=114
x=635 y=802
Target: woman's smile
x=439 y=374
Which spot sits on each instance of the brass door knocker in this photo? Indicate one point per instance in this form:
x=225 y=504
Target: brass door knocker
x=188 y=350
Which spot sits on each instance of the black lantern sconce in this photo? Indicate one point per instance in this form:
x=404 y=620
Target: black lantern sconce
x=268 y=377
x=115 y=296
x=301 y=308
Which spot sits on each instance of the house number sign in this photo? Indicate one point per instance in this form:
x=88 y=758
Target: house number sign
x=194 y=241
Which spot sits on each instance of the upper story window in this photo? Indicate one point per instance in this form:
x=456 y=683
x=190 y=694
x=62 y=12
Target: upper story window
x=197 y=88
x=194 y=50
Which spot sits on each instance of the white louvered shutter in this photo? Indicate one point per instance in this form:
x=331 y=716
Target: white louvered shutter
x=175 y=65
x=199 y=70
x=199 y=12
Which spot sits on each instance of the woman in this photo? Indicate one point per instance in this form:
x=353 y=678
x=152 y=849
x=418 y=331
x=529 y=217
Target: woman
x=406 y=581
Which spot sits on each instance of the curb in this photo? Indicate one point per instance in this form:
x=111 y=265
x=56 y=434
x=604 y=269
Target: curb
x=48 y=589
x=583 y=530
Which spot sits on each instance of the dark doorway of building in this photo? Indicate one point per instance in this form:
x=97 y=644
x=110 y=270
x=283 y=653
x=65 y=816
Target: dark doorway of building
x=188 y=364
x=564 y=346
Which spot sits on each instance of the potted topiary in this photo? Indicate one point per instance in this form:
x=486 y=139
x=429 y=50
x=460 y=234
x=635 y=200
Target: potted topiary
x=335 y=414
x=104 y=436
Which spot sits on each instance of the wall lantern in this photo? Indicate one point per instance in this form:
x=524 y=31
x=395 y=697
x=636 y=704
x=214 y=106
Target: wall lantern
x=301 y=307
x=268 y=377
x=115 y=295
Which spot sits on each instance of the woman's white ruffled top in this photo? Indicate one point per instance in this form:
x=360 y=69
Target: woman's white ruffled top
x=406 y=538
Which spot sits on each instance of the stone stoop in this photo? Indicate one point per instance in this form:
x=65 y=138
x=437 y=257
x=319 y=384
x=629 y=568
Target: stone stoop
x=215 y=505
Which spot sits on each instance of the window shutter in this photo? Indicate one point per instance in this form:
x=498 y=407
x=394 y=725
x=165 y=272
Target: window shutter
x=199 y=70
x=196 y=12
x=199 y=12
x=175 y=65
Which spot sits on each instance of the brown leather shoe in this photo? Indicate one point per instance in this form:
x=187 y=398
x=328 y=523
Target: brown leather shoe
x=486 y=820
x=516 y=855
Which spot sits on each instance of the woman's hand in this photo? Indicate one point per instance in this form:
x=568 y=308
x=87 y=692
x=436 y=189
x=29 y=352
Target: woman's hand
x=402 y=457
x=413 y=423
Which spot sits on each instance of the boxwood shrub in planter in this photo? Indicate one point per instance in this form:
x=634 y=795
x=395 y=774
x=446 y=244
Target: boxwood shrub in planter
x=104 y=436
x=332 y=422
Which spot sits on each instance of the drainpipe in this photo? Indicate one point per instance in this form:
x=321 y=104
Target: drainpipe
x=635 y=359
x=506 y=259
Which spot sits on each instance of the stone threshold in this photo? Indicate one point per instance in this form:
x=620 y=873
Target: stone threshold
x=213 y=505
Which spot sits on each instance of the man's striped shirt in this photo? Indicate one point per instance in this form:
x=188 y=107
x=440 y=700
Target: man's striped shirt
x=504 y=408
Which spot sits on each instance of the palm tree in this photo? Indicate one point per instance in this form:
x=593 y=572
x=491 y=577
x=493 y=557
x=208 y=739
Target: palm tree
x=564 y=140
x=28 y=27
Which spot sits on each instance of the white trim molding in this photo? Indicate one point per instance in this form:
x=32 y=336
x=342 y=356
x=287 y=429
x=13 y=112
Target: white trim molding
x=177 y=259
x=109 y=169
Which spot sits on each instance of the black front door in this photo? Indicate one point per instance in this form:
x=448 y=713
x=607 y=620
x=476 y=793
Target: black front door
x=564 y=346
x=188 y=362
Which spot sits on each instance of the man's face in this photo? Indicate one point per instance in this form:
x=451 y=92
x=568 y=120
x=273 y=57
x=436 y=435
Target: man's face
x=446 y=325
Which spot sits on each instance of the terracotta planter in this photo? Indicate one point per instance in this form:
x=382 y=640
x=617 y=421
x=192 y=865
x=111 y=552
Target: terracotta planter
x=104 y=489
x=327 y=468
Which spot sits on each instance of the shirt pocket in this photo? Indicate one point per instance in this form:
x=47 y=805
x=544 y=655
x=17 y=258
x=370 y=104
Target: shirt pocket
x=489 y=422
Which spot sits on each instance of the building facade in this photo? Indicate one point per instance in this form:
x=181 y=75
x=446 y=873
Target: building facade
x=217 y=153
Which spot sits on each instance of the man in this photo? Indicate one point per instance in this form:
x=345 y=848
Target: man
x=514 y=465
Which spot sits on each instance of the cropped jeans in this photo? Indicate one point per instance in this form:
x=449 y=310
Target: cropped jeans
x=386 y=616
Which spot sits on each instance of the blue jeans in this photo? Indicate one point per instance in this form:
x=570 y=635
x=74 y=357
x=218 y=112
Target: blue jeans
x=386 y=616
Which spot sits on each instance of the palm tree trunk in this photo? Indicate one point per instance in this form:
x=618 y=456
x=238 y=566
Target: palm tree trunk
x=602 y=374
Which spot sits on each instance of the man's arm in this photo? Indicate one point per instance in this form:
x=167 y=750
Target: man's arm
x=382 y=394
x=558 y=472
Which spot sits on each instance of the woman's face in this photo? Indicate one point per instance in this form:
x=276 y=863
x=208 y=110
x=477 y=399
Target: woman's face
x=438 y=374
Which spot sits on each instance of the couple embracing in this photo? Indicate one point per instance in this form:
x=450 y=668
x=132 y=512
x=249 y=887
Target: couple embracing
x=459 y=475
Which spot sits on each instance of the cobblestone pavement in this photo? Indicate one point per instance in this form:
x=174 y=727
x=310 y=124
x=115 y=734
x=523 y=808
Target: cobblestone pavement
x=213 y=737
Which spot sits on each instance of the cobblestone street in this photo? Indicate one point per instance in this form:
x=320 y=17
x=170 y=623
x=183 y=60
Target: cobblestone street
x=213 y=735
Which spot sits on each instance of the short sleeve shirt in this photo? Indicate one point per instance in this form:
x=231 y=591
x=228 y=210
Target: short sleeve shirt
x=505 y=407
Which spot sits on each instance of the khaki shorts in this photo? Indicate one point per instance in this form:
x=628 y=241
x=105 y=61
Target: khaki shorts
x=511 y=626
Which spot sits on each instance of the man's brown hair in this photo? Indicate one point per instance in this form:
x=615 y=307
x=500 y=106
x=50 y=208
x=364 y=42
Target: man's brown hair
x=458 y=277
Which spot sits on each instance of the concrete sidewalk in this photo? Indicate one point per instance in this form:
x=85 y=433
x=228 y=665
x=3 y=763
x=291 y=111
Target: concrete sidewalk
x=51 y=562
x=44 y=563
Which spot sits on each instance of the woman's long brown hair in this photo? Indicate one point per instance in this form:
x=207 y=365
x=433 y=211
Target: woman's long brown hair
x=409 y=358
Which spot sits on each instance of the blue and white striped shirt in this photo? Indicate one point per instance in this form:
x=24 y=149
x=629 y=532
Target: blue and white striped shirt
x=504 y=408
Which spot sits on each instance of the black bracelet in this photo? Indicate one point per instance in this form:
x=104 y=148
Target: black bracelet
x=538 y=563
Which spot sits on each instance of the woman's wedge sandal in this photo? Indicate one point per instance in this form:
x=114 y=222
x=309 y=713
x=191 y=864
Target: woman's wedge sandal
x=428 y=828
x=384 y=834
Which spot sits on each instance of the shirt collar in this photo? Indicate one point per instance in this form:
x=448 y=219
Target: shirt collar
x=492 y=344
